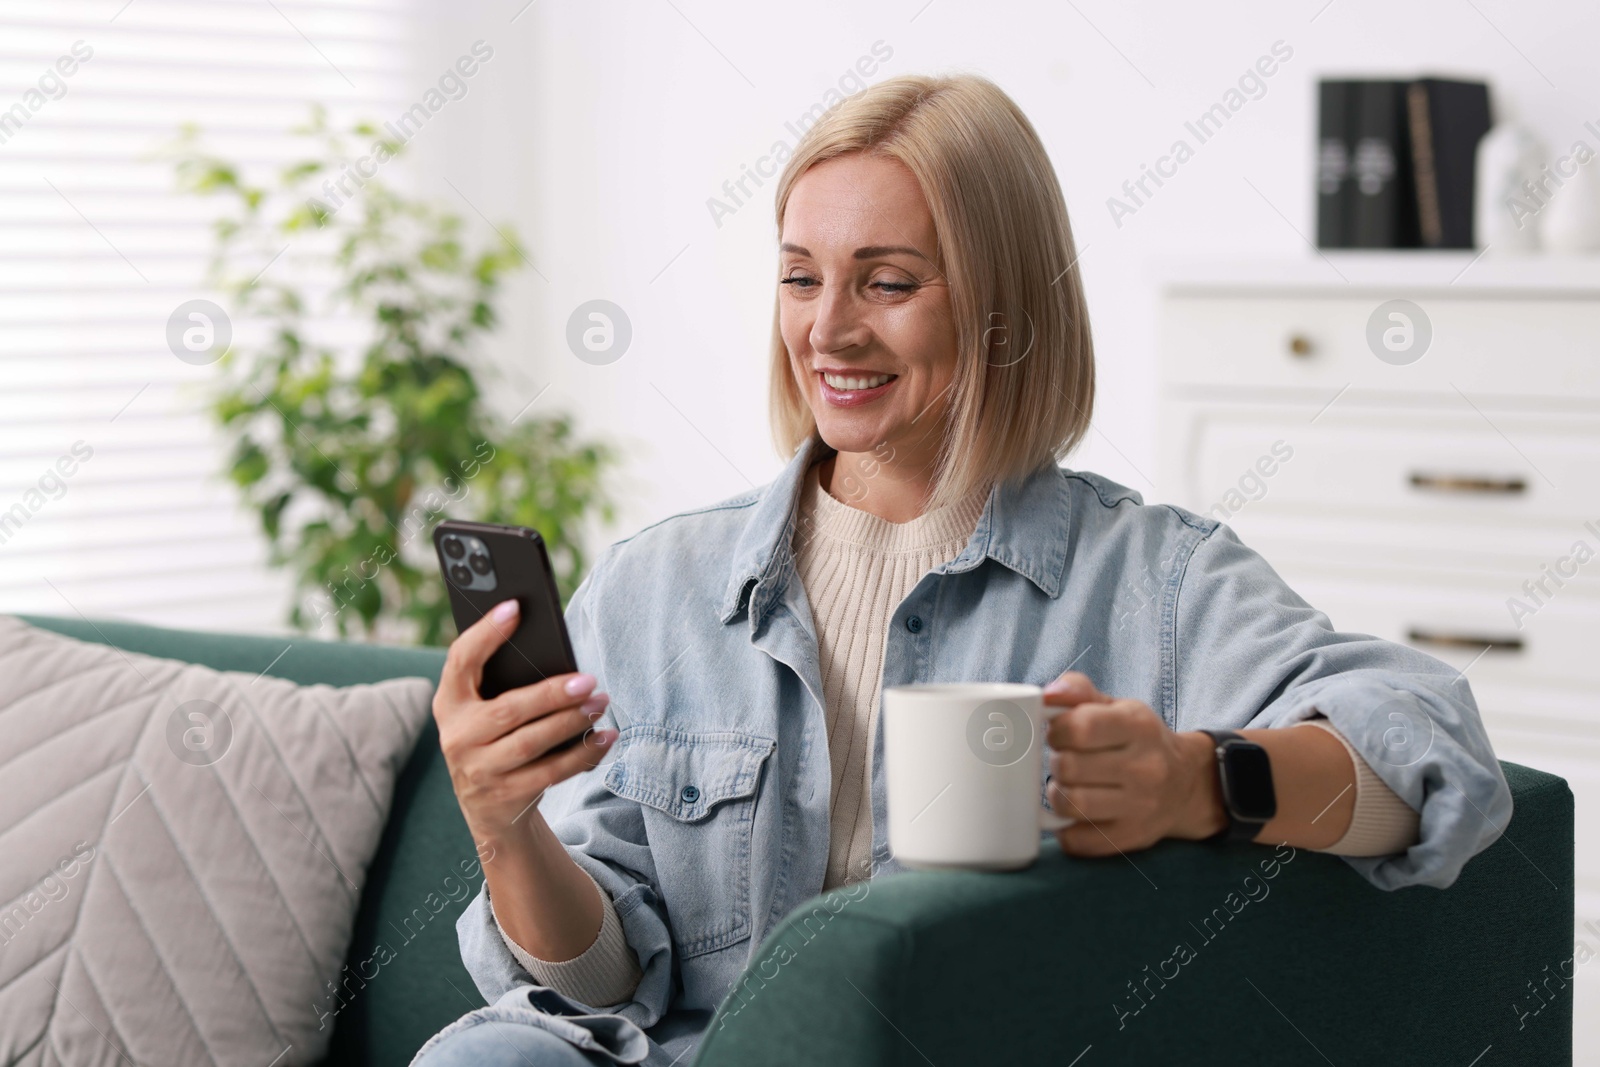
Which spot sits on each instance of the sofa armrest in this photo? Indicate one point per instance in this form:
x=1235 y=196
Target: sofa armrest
x=1191 y=953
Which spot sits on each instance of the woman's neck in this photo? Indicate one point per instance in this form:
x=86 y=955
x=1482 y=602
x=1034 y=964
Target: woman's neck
x=895 y=492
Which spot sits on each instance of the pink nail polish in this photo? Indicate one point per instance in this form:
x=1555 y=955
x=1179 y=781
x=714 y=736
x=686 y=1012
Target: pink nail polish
x=504 y=611
x=579 y=684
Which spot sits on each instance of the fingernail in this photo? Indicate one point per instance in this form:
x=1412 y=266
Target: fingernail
x=579 y=684
x=595 y=706
x=504 y=611
x=604 y=737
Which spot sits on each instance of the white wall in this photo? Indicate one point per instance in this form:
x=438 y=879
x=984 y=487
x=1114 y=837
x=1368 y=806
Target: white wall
x=600 y=130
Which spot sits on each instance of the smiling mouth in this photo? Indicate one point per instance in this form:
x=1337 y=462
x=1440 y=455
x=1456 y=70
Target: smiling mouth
x=855 y=383
x=854 y=390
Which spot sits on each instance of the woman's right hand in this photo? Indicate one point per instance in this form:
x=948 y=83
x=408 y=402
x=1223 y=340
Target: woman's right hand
x=499 y=750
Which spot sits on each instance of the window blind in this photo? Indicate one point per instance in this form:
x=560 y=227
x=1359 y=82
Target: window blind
x=113 y=501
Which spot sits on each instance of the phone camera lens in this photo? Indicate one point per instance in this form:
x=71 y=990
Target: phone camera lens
x=454 y=548
x=459 y=574
x=480 y=562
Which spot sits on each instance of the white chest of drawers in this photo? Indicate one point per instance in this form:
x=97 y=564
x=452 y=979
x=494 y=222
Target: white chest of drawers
x=1451 y=502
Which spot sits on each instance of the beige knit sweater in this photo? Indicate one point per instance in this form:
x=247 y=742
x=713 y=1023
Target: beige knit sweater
x=856 y=569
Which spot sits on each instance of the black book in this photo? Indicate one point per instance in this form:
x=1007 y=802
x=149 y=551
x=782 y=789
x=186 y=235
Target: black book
x=1335 y=148
x=1384 y=211
x=1446 y=121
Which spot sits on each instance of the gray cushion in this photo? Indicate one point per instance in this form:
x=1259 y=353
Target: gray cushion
x=181 y=851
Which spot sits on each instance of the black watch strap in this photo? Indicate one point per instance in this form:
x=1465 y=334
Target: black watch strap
x=1239 y=828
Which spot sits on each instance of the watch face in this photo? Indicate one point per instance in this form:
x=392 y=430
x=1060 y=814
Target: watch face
x=1249 y=782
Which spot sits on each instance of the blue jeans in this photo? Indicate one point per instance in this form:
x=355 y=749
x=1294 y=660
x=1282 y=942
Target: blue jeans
x=497 y=1044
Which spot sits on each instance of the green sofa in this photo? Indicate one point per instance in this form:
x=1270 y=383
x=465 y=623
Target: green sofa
x=1185 y=953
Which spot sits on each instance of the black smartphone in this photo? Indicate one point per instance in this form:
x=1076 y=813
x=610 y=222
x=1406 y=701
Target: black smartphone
x=485 y=563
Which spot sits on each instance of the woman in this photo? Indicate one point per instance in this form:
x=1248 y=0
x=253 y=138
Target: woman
x=931 y=362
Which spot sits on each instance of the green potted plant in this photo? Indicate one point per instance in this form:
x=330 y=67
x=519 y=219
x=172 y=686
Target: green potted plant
x=350 y=397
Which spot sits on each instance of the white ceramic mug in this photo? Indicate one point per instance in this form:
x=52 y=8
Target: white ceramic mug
x=963 y=765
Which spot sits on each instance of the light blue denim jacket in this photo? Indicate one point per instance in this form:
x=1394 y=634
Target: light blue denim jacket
x=709 y=823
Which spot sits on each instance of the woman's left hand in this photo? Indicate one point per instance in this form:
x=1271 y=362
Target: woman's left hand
x=1125 y=776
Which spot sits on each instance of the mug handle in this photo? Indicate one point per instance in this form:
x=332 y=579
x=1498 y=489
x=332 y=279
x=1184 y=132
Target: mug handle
x=1049 y=820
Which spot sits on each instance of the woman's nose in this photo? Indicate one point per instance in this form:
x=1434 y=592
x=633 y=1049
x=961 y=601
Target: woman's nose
x=838 y=324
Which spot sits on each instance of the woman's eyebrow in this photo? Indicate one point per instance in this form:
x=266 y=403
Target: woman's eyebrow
x=874 y=251
x=869 y=252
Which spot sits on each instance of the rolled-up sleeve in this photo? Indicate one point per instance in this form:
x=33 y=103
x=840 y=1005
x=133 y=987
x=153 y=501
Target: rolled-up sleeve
x=605 y=835
x=1248 y=652
x=604 y=973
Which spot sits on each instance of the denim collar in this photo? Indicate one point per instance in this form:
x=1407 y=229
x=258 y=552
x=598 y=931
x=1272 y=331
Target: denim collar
x=1024 y=526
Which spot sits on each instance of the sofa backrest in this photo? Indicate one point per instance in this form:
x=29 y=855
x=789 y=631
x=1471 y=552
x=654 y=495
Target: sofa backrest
x=403 y=965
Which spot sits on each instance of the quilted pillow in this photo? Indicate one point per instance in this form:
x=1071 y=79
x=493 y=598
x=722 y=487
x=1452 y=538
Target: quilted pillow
x=182 y=851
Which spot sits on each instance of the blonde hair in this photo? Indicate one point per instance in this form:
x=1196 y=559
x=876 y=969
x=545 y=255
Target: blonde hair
x=1005 y=248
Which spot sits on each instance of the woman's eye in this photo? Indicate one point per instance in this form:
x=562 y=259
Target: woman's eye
x=801 y=281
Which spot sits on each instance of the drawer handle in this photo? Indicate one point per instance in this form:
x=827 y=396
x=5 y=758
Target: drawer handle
x=1418 y=636
x=1466 y=483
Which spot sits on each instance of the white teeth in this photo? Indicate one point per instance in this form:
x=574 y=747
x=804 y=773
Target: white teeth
x=848 y=384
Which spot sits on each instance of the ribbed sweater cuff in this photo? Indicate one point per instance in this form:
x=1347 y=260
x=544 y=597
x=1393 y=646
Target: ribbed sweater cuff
x=606 y=973
x=1381 y=824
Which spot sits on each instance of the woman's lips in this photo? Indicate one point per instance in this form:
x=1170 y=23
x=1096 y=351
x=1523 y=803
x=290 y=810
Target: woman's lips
x=849 y=398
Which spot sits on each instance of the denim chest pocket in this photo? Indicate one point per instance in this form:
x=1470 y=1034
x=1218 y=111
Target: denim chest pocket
x=698 y=794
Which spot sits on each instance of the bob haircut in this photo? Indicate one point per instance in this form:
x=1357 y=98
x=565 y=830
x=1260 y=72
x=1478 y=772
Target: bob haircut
x=1023 y=390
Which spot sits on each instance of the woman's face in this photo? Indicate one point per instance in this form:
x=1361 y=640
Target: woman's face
x=863 y=311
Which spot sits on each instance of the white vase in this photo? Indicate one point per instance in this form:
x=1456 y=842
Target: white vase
x=1570 y=221
x=1505 y=216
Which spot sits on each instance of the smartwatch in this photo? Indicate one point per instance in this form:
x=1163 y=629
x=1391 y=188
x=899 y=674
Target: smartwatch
x=1245 y=772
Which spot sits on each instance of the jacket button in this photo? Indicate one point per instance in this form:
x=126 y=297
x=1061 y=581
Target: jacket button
x=690 y=794
x=914 y=623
